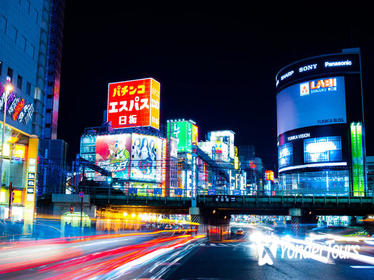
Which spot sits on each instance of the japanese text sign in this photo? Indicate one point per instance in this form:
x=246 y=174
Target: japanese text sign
x=134 y=103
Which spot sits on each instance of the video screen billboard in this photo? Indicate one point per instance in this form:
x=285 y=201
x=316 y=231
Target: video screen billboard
x=285 y=155
x=146 y=158
x=134 y=103
x=311 y=103
x=113 y=154
x=323 y=149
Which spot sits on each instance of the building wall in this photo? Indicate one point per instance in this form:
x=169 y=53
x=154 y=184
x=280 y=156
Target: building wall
x=370 y=174
x=20 y=31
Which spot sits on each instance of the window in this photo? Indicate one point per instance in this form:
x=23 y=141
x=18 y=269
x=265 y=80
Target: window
x=3 y=24
x=28 y=88
x=21 y=42
x=9 y=76
x=19 y=82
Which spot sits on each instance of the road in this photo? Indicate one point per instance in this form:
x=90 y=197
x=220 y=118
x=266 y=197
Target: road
x=239 y=260
x=181 y=255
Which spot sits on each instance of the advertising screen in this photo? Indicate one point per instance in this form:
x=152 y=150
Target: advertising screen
x=323 y=149
x=134 y=103
x=285 y=155
x=146 y=158
x=113 y=154
x=311 y=103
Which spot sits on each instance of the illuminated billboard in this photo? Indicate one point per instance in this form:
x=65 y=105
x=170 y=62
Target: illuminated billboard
x=285 y=155
x=146 y=158
x=134 y=103
x=113 y=154
x=323 y=149
x=226 y=137
x=311 y=103
x=19 y=109
x=186 y=132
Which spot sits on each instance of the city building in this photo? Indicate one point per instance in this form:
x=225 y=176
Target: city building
x=30 y=61
x=22 y=48
x=253 y=167
x=320 y=126
x=370 y=174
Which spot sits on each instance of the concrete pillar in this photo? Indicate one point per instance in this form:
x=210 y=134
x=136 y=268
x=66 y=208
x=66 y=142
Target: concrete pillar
x=302 y=220
x=216 y=224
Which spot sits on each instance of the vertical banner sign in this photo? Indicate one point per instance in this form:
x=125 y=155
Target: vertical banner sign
x=134 y=103
x=30 y=184
x=164 y=144
x=357 y=160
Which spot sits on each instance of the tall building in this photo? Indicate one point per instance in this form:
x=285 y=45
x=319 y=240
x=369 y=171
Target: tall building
x=51 y=164
x=22 y=48
x=53 y=69
x=320 y=122
x=30 y=60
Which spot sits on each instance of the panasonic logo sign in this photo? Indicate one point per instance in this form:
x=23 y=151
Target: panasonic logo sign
x=308 y=68
x=338 y=63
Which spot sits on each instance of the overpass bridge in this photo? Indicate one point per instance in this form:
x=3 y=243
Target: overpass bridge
x=257 y=205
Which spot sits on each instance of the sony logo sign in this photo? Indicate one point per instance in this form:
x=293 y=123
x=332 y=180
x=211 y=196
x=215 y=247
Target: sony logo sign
x=308 y=68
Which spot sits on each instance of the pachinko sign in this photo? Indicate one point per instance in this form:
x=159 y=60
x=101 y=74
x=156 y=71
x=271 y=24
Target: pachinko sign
x=113 y=154
x=134 y=103
x=18 y=109
x=146 y=158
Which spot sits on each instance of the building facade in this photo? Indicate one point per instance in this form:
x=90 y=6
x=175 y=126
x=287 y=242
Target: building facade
x=320 y=126
x=30 y=62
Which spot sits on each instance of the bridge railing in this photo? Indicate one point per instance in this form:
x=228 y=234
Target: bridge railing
x=150 y=192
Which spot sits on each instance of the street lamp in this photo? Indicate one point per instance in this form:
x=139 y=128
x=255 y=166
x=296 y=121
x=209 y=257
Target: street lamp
x=8 y=89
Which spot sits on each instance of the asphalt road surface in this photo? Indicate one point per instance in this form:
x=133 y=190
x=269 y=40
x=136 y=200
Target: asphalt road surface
x=240 y=261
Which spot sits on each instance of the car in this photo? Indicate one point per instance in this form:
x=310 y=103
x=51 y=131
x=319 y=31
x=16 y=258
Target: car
x=240 y=232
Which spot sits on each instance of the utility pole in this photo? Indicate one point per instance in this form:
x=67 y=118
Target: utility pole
x=10 y=200
x=81 y=194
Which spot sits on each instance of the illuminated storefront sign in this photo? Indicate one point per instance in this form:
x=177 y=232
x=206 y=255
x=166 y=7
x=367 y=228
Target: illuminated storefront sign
x=134 y=103
x=113 y=154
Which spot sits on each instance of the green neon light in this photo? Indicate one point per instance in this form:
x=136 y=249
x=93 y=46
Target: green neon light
x=358 y=185
x=182 y=130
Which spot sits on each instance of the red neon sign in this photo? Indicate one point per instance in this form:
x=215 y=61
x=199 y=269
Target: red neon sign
x=134 y=103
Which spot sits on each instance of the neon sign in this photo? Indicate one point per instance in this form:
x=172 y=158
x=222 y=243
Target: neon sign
x=17 y=108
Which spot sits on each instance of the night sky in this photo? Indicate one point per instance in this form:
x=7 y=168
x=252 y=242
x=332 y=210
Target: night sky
x=216 y=66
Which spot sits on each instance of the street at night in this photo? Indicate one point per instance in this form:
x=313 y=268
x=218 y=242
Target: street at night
x=143 y=141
